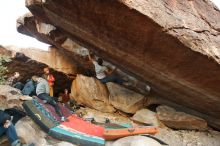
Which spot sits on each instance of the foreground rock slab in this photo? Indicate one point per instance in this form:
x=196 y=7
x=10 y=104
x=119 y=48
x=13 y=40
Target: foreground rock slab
x=180 y=120
x=29 y=132
x=136 y=141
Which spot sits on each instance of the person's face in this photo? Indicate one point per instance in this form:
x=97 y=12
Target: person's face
x=66 y=91
x=46 y=71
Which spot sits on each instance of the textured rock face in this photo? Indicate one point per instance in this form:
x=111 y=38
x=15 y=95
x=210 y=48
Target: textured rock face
x=92 y=93
x=54 y=58
x=124 y=99
x=179 y=120
x=173 y=45
x=73 y=53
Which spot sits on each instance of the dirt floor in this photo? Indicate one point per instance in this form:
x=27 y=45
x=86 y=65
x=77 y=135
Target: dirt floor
x=189 y=138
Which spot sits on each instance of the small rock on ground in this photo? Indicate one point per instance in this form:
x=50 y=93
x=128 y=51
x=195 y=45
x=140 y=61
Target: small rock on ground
x=146 y=116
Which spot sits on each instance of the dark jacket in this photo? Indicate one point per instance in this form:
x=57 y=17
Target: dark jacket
x=29 y=88
x=17 y=114
x=4 y=117
x=65 y=98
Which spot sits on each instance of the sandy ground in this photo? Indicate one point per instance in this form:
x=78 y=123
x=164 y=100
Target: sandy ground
x=189 y=138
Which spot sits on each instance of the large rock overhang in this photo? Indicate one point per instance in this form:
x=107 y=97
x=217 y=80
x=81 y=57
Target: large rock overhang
x=174 y=50
x=27 y=24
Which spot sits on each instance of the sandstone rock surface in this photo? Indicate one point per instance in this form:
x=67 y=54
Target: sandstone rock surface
x=73 y=52
x=67 y=47
x=146 y=116
x=125 y=100
x=92 y=93
x=180 y=120
x=54 y=58
x=29 y=132
x=9 y=97
x=173 y=45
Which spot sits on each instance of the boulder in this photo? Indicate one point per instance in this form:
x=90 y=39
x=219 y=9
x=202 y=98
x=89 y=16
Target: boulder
x=92 y=93
x=29 y=132
x=146 y=116
x=9 y=97
x=124 y=99
x=155 y=41
x=136 y=141
x=9 y=92
x=180 y=120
